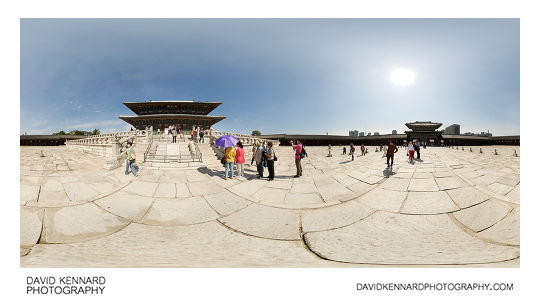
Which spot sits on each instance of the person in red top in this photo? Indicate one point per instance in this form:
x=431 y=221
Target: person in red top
x=239 y=159
x=297 y=158
x=352 y=151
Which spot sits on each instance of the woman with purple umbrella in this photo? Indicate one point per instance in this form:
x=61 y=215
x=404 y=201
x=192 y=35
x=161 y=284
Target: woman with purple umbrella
x=227 y=142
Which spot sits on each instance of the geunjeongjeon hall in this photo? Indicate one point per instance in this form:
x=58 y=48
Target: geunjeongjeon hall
x=161 y=114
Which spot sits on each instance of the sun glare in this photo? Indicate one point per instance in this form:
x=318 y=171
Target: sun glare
x=402 y=77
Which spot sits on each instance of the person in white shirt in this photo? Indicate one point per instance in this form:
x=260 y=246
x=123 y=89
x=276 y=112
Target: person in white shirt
x=411 y=151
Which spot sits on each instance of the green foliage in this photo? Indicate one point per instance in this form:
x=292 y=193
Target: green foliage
x=60 y=133
x=95 y=132
x=255 y=133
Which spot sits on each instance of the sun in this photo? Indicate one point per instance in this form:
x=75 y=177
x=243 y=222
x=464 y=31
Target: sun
x=402 y=77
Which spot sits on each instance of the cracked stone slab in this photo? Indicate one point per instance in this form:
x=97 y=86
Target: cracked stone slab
x=31 y=226
x=328 y=192
x=428 y=203
x=304 y=188
x=361 y=187
x=129 y=206
x=178 y=212
x=333 y=216
x=467 y=196
x=29 y=193
x=373 y=179
x=389 y=238
x=248 y=188
x=423 y=185
x=51 y=199
x=165 y=190
x=345 y=180
x=78 y=223
x=182 y=190
x=395 y=184
x=201 y=245
x=500 y=189
x=270 y=196
x=263 y=221
x=481 y=216
x=279 y=184
x=226 y=202
x=382 y=199
x=513 y=195
x=199 y=188
x=450 y=183
x=505 y=231
x=141 y=188
x=303 y=200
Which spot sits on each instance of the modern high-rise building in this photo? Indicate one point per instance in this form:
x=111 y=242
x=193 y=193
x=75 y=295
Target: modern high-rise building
x=376 y=134
x=394 y=132
x=361 y=134
x=353 y=133
x=452 y=130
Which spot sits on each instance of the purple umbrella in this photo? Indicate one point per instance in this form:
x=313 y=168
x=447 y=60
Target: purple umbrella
x=226 y=141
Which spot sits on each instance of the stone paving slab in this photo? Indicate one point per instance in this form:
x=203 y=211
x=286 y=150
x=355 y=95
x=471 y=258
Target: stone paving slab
x=29 y=193
x=129 y=206
x=179 y=212
x=141 y=188
x=266 y=222
x=428 y=203
x=423 y=185
x=79 y=223
x=388 y=238
x=482 y=216
x=270 y=196
x=467 y=196
x=505 y=231
x=30 y=227
x=202 y=245
x=447 y=183
x=334 y=216
x=226 y=202
x=382 y=199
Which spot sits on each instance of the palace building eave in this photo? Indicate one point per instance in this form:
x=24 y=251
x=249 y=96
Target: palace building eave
x=139 y=107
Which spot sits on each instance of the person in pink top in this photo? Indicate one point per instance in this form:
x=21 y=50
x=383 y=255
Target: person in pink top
x=297 y=157
x=239 y=159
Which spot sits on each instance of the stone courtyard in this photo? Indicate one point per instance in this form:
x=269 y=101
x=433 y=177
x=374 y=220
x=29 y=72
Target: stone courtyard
x=454 y=207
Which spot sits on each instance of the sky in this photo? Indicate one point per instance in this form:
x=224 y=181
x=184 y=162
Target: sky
x=293 y=76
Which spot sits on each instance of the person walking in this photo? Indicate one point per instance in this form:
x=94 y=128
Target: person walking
x=410 y=148
x=385 y=150
x=239 y=158
x=192 y=133
x=392 y=149
x=270 y=155
x=253 y=151
x=201 y=136
x=297 y=157
x=363 y=150
x=352 y=151
x=230 y=154
x=417 y=149
x=173 y=133
x=259 y=160
x=344 y=150
x=130 y=160
x=329 y=150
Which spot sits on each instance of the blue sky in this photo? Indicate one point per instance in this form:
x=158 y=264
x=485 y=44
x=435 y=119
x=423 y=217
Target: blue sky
x=308 y=76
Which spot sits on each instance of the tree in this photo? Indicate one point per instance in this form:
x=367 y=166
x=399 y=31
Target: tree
x=77 y=132
x=95 y=132
x=255 y=133
x=60 y=133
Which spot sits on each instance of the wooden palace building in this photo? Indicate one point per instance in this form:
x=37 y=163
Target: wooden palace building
x=163 y=113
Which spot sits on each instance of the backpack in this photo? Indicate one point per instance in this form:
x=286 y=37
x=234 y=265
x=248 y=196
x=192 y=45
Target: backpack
x=303 y=153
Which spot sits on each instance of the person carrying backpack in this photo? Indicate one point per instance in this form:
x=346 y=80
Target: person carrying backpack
x=298 y=151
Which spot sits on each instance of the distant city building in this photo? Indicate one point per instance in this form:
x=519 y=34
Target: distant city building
x=482 y=134
x=361 y=134
x=353 y=133
x=369 y=134
x=376 y=134
x=394 y=132
x=452 y=130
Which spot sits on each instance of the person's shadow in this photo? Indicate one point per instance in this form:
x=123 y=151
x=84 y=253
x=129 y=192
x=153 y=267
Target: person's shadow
x=388 y=172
